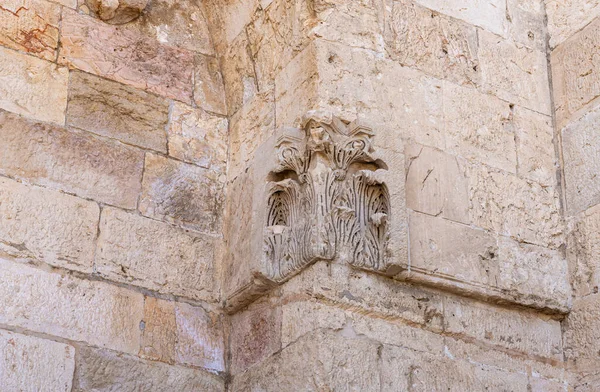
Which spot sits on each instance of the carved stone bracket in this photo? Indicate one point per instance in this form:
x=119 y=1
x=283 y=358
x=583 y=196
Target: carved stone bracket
x=325 y=201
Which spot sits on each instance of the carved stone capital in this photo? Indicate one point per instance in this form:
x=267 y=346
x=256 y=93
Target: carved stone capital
x=117 y=11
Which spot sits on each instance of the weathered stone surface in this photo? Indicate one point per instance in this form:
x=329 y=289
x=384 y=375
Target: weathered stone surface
x=581 y=157
x=441 y=46
x=583 y=246
x=124 y=55
x=198 y=137
x=436 y=183
x=566 y=17
x=232 y=17
x=117 y=12
x=477 y=127
x=582 y=334
x=33 y=364
x=527 y=22
x=303 y=317
x=30 y=26
x=108 y=371
x=97 y=313
x=155 y=255
x=514 y=207
x=183 y=194
x=47 y=225
x=209 y=90
x=159 y=332
x=575 y=74
x=324 y=361
x=514 y=72
x=238 y=74
x=27 y=84
x=117 y=111
x=74 y=162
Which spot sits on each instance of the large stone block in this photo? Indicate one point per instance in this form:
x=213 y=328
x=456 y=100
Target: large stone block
x=155 y=255
x=583 y=246
x=126 y=56
x=27 y=84
x=34 y=364
x=47 y=225
x=74 y=162
x=239 y=76
x=121 y=112
x=183 y=194
x=582 y=334
x=527 y=23
x=565 y=18
x=159 y=332
x=30 y=26
x=108 y=371
x=209 y=91
x=97 y=313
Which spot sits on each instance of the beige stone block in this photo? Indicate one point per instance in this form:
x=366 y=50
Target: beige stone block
x=33 y=364
x=113 y=110
x=209 y=90
x=107 y=371
x=47 y=225
x=30 y=26
x=526 y=332
x=575 y=75
x=97 y=313
x=324 y=361
x=159 y=333
x=583 y=246
x=232 y=17
x=543 y=385
x=74 y=162
x=304 y=317
x=438 y=45
x=198 y=137
x=182 y=194
x=582 y=334
x=436 y=183
x=126 y=56
x=67 y=3
x=239 y=76
x=477 y=127
x=511 y=206
x=536 y=154
x=27 y=84
x=514 y=72
x=491 y=15
x=155 y=255
x=581 y=157
x=527 y=23
x=589 y=382
x=566 y=17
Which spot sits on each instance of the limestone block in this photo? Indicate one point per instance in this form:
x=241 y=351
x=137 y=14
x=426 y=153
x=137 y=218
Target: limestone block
x=107 y=371
x=209 y=91
x=304 y=317
x=30 y=26
x=198 y=137
x=575 y=74
x=582 y=334
x=117 y=12
x=565 y=18
x=239 y=76
x=583 y=246
x=97 y=313
x=27 y=84
x=514 y=72
x=436 y=183
x=182 y=194
x=47 y=225
x=324 y=361
x=589 y=382
x=155 y=255
x=232 y=17
x=515 y=207
x=438 y=45
x=536 y=154
x=478 y=127
x=126 y=56
x=581 y=157
x=33 y=364
x=111 y=109
x=491 y=15
x=527 y=22
x=526 y=332
x=74 y=162
x=543 y=385
x=159 y=332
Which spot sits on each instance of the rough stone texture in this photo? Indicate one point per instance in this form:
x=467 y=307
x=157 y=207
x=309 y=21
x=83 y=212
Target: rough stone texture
x=71 y=161
x=239 y=76
x=528 y=23
x=583 y=246
x=582 y=334
x=30 y=26
x=198 y=137
x=117 y=12
x=159 y=332
x=581 y=157
x=209 y=90
x=111 y=109
x=566 y=17
x=108 y=371
x=183 y=194
x=33 y=364
x=125 y=56
x=27 y=84
x=155 y=255
x=97 y=313
x=575 y=75
x=46 y=225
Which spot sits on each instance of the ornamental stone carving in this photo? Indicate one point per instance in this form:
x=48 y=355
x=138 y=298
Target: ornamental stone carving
x=325 y=201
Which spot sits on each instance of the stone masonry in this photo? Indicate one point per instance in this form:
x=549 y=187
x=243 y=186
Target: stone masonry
x=299 y=195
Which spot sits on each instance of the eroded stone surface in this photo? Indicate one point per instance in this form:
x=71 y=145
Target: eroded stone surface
x=582 y=247
x=582 y=334
x=209 y=90
x=160 y=330
x=566 y=17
